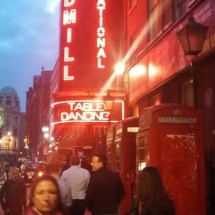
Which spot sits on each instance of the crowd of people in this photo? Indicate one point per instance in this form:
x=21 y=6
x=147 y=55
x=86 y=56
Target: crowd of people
x=78 y=191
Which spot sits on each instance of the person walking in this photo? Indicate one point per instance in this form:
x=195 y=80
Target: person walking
x=105 y=190
x=152 y=196
x=77 y=180
x=13 y=193
x=55 y=169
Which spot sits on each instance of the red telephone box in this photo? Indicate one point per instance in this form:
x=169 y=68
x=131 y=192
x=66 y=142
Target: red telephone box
x=125 y=154
x=170 y=138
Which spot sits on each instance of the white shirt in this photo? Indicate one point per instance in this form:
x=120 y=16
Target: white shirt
x=65 y=191
x=77 y=179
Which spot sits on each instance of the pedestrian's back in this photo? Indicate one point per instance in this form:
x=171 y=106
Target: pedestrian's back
x=13 y=193
x=55 y=168
x=77 y=179
x=152 y=196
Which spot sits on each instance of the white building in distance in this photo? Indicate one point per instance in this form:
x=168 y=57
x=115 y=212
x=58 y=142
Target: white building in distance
x=12 y=126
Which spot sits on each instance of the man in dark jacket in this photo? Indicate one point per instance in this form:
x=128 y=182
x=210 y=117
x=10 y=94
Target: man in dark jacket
x=13 y=193
x=105 y=190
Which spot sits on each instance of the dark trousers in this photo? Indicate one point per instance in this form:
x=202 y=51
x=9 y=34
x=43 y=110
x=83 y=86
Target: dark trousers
x=78 y=207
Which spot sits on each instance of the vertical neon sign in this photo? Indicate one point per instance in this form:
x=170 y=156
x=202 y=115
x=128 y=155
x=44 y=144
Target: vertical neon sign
x=83 y=43
x=101 y=40
x=69 y=18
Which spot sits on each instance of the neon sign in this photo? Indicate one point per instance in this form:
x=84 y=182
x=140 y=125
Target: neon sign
x=101 y=40
x=69 y=18
x=86 y=111
x=70 y=15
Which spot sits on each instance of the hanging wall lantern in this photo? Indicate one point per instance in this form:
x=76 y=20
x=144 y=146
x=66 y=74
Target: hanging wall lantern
x=192 y=37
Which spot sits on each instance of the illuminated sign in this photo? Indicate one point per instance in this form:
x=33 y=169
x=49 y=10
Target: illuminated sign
x=132 y=129
x=177 y=120
x=69 y=18
x=101 y=40
x=89 y=37
x=86 y=111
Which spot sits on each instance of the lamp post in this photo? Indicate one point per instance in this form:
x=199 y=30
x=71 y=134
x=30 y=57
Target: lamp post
x=8 y=145
x=191 y=38
x=0 y=147
x=109 y=103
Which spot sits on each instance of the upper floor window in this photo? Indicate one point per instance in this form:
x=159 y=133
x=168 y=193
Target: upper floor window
x=180 y=8
x=134 y=55
x=16 y=119
x=17 y=103
x=156 y=99
x=132 y=3
x=8 y=102
x=160 y=16
x=15 y=132
x=183 y=6
x=187 y=94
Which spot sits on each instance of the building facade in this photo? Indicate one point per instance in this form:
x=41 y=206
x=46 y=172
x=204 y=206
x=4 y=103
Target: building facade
x=38 y=113
x=12 y=126
x=142 y=34
x=166 y=74
x=88 y=51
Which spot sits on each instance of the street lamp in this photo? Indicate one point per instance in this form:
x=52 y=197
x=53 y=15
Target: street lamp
x=0 y=147
x=8 y=144
x=109 y=103
x=191 y=38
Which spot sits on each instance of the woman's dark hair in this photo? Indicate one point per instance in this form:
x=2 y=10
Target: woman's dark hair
x=152 y=193
x=46 y=177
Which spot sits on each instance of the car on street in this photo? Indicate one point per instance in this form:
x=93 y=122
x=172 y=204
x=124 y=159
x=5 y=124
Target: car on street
x=32 y=169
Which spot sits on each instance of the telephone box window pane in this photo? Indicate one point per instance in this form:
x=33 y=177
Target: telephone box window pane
x=142 y=154
x=108 y=149
x=117 y=166
x=141 y=165
x=117 y=155
x=142 y=142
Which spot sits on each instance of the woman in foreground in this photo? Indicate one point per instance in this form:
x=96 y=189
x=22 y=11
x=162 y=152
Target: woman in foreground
x=45 y=197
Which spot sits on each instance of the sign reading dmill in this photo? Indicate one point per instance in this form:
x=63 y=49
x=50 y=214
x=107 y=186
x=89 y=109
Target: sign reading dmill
x=69 y=21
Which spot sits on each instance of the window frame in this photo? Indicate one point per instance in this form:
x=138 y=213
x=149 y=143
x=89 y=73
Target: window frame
x=159 y=18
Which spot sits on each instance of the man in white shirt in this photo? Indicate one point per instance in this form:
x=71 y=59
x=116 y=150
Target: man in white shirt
x=77 y=180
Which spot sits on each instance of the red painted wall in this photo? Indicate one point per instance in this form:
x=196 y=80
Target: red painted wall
x=162 y=57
